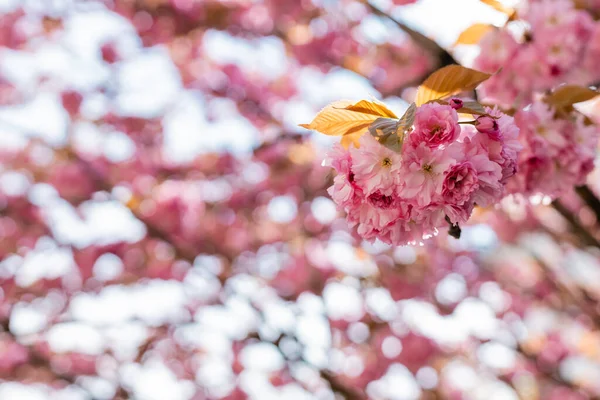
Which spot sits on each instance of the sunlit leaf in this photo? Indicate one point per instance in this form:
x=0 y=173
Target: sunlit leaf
x=473 y=34
x=371 y=107
x=390 y=132
x=383 y=126
x=385 y=131
x=566 y=96
x=447 y=81
x=351 y=120
x=351 y=139
x=473 y=108
x=408 y=118
x=498 y=6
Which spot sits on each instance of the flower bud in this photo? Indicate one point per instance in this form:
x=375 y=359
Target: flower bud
x=488 y=125
x=456 y=103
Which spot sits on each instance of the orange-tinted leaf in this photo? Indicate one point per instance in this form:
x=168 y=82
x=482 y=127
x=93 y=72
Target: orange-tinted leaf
x=351 y=120
x=566 y=96
x=447 y=81
x=498 y=6
x=474 y=33
x=371 y=107
x=350 y=139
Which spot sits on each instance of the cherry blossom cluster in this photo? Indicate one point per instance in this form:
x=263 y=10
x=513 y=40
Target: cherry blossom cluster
x=558 y=153
x=443 y=170
x=559 y=45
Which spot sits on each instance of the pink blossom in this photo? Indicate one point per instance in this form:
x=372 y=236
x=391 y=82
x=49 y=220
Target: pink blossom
x=436 y=125
x=375 y=166
x=551 y=14
x=456 y=103
x=344 y=191
x=497 y=47
x=459 y=183
x=459 y=213
x=559 y=153
x=489 y=174
x=489 y=126
x=372 y=219
x=424 y=172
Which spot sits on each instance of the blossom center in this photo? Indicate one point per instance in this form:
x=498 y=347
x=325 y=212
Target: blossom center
x=427 y=168
x=553 y=20
x=381 y=201
x=435 y=130
x=541 y=130
x=386 y=162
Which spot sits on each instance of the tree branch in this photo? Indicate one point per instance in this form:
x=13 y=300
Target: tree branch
x=589 y=197
x=579 y=230
x=428 y=44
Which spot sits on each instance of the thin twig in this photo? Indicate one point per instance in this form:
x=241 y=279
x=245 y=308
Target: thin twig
x=589 y=197
x=579 y=230
x=428 y=44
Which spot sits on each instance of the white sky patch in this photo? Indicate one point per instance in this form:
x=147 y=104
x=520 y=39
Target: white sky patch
x=262 y=357
x=100 y=26
x=215 y=190
x=313 y=331
x=103 y=223
x=296 y=111
x=477 y=317
x=461 y=376
x=343 y=302
x=13 y=390
x=45 y=261
x=397 y=384
x=282 y=209
x=99 y=388
x=323 y=209
x=471 y=317
x=427 y=377
x=494 y=296
x=75 y=337
x=451 y=289
x=154 y=302
x=216 y=375
x=108 y=266
x=265 y=57
x=43 y=117
x=574 y=368
x=14 y=183
x=320 y=89
x=224 y=321
x=154 y=381
x=380 y=302
x=189 y=133
x=26 y=319
x=279 y=316
x=432 y=17
x=584 y=268
x=344 y=257
x=496 y=355
x=126 y=338
x=118 y=147
x=391 y=346
x=201 y=284
x=140 y=92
